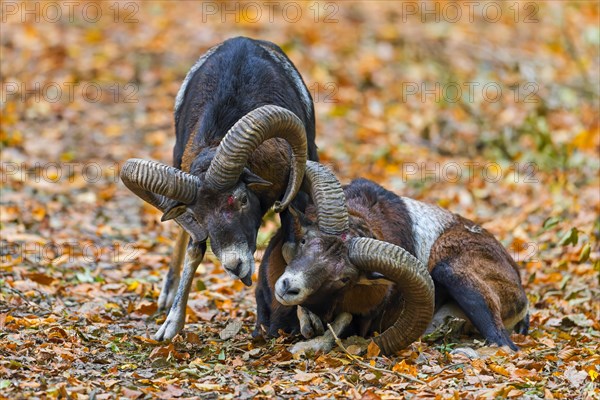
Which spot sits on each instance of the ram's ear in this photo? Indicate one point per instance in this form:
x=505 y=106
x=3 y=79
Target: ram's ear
x=253 y=181
x=174 y=211
x=288 y=250
x=301 y=223
x=373 y=278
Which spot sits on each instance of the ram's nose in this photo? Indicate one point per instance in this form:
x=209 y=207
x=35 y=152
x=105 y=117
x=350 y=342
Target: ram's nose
x=287 y=289
x=247 y=280
x=236 y=269
x=288 y=292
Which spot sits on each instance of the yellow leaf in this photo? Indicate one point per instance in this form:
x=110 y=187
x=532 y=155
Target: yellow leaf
x=499 y=370
x=584 y=140
x=585 y=253
x=110 y=306
x=593 y=374
x=93 y=36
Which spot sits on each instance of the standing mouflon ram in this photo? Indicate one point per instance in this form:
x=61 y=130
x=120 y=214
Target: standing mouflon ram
x=474 y=276
x=227 y=173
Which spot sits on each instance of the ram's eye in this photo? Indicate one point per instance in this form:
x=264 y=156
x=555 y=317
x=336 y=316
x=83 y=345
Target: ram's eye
x=244 y=200
x=345 y=280
x=303 y=241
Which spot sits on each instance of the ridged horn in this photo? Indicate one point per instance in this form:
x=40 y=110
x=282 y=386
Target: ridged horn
x=246 y=135
x=413 y=281
x=159 y=184
x=328 y=196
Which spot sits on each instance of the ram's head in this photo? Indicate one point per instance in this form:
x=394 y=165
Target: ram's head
x=324 y=259
x=223 y=203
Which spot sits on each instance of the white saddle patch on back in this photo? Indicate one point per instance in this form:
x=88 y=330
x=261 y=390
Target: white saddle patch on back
x=428 y=223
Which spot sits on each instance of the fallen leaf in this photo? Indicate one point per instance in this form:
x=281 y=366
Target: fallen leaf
x=170 y=392
x=40 y=278
x=370 y=395
x=578 y=319
x=575 y=377
x=499 y=369
x=373 y=350
x=146 y=308
x=231 y=329
x=304 y=376
x=130 y=393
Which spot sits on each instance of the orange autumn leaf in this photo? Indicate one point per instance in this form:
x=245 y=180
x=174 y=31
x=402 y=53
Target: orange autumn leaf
x=373 y=350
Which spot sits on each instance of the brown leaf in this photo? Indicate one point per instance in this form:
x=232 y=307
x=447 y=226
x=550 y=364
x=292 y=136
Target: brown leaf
x=567 y=353
x=526 y=374
x=57 y=334
x=146 y=340
x=370 y=395
x=304 y=376
x=166 y=351
x=40 y=278
x=192 y=338
x=355 y=349
x=170 y=392
x=206 y=315
x=146 y=308
x=130 y=393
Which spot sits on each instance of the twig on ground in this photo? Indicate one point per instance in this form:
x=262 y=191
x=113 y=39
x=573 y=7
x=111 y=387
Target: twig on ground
x=367 y=365
x=25 y=299
x=452 y=366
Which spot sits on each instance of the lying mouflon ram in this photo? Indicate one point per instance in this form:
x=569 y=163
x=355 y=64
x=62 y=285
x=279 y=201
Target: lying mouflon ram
x=227 y=173
x=474 y=276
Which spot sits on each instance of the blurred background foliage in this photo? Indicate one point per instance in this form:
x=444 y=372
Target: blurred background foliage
x=493 y=115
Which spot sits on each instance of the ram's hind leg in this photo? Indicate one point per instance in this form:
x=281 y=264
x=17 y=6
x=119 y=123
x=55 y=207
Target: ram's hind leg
x=478 y=301
x=171 y=281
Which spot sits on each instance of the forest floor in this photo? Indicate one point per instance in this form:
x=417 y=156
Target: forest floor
x=493 y=118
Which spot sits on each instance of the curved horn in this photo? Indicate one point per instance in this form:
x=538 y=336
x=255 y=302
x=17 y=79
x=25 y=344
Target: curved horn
x=246 y=135
x=158 y=183
x=413 y=281
x=328 y=196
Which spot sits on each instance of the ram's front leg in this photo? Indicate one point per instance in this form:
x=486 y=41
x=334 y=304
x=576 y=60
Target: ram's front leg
x=310 y=323
x=326 y=342
x=171 y=281
x=176 y=318
x=188 y=228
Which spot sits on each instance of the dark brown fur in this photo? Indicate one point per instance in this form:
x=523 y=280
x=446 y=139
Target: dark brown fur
x=468 y=265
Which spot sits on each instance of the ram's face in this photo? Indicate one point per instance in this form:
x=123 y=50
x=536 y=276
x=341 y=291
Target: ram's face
x=232 y=219
x=318 y=266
